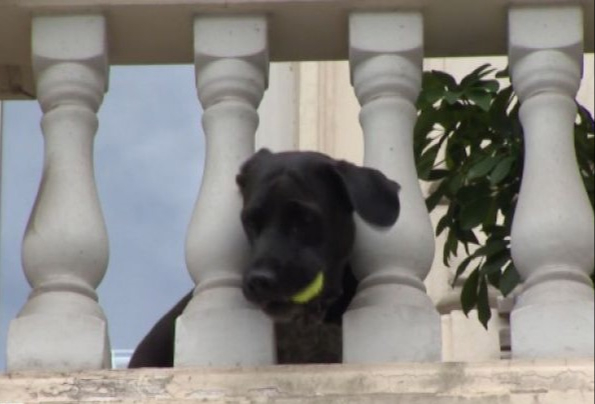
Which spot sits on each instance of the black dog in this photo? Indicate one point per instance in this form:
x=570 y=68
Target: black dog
x=298 y=217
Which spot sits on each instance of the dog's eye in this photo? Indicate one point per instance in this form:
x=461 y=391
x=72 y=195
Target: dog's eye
x=253 y=222
x=304 y=223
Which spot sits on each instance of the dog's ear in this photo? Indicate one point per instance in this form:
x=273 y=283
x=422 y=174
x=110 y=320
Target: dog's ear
x=373 y=196
x=249 y=165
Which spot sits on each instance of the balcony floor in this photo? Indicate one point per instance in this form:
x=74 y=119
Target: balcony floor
x=511 y=382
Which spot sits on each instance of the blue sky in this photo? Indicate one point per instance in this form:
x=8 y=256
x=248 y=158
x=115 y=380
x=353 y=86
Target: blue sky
x=149 y=154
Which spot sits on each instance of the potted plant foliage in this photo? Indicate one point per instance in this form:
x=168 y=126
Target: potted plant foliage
x=469 y=145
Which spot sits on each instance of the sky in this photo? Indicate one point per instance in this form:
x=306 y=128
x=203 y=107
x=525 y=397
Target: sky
x=149 y=154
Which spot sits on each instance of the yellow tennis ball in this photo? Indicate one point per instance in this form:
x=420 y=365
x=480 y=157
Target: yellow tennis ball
x=311 y=291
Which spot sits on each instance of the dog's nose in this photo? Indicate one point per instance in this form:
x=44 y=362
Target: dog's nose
x=260 y=284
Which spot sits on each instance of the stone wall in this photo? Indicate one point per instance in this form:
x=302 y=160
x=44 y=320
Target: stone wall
x=543 y=382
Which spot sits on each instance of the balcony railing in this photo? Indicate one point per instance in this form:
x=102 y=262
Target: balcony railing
x=65 y=248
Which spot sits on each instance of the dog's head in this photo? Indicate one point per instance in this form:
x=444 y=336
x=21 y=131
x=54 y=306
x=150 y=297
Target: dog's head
x=298 y=217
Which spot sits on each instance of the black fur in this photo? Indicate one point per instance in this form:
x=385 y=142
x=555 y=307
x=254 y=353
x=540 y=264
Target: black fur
x=298 y=217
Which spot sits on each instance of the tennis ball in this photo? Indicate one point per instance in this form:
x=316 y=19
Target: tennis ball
x=311 y=291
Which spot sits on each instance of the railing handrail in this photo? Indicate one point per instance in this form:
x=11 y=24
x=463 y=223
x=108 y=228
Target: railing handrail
x=159 y=32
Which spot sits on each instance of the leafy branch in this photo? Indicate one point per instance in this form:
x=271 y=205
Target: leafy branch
x=469 y=144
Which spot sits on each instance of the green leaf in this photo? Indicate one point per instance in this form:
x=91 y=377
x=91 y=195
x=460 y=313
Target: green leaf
x=501 y=122
x=491 y=248
x=484 y=160
x=425 y=124
x=517 y=127
x=507 y=195
x=510 y=279
x=449 y=117
x=508 y=219
x=494 y=279
x=491 y=86
x=503 y=74
x=470 y=193
x=484 y=311
x=455 y=183
x=476 y=75
x=484 y=70
x=502 y=170
x=443 y=223
x=473 y=214
x=427 y=161
x=467 y=236
x=452 y=243
x=434 y=94
x=450 y=248
x=496 y=232
x=483 y=167
x=456 y=155
x=433 y=88
x=502 y=101
x=495 y=264
x=452 y=97
x=462 y=268
x=586 y=119
x=438 y=174
x=492 y=216
x=445 y=79
x=434 y=199
x=480 y=98
x=469 y=293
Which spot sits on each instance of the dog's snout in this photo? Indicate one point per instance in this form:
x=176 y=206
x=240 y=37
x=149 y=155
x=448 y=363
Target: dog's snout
x=260 y=283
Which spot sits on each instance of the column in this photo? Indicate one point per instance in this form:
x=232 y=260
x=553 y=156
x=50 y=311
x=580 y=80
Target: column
x=219 y=327
x=552 y=235
x=391 y=318
x=65 y=247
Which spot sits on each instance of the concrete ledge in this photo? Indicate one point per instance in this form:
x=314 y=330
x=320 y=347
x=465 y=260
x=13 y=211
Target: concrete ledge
x=510 y=382
x=160 y=32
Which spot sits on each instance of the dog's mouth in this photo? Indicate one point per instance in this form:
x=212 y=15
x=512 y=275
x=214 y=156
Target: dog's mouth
x=282 y=303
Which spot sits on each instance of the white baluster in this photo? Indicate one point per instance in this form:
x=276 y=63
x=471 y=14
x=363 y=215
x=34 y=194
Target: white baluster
x=391 y=318
x=65 y=248
x=552 y=235
x=219 y=327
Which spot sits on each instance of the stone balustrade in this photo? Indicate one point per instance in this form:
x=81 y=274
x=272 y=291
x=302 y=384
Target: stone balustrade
x=552 y=236
x=386 y=63
x=231 y=76
x=515 y=382
x=65 y=248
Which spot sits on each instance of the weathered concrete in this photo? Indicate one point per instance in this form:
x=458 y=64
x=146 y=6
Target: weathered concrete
x=160 y=32
x=526 y=382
